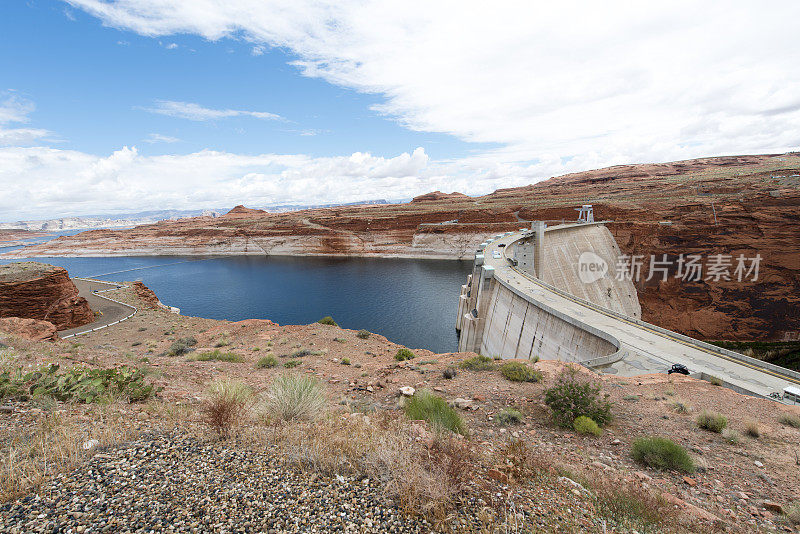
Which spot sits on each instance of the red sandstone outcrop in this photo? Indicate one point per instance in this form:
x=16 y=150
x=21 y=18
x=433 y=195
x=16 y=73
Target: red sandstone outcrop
x=729 y=205
x=32 y=290
x=29 y=328
x=241 y=210
x=146 y=295
x=438 y=195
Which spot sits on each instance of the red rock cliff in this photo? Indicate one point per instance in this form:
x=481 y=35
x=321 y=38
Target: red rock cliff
x=44 y=292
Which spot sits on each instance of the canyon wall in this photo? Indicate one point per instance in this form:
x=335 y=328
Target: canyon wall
x=31 y=290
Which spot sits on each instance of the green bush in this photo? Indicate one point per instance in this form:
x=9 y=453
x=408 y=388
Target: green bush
x=363 y=334
x=295 y=397
x=662 y=454
x=509 y=416
x=715 y=381
x=291 y=364
x=519 y=372
x=77 y=384
x=267 y=361
x=345 y=361
x=789 y=419
x=181 y=346
x=573 y=396
x=586 y=425
x=403 y=355
x=328 y=320
x=712 y=421
x=478 y=363
x=427 y=406
x=218 y=356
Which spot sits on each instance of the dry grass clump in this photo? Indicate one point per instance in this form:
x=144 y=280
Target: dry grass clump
x=295 y=397
x=680 y=406
x=752 y=429
x=478 y=363
x=51 y=444
x=789 y=419
x=363 y=334
x=426 y=480
x=226 y=406
x=792 y=513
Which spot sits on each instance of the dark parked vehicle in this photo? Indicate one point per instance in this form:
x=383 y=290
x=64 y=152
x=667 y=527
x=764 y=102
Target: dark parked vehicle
x=678 y=368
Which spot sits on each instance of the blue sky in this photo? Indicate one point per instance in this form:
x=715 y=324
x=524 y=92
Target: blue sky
x=93 y=84
x=118 y=106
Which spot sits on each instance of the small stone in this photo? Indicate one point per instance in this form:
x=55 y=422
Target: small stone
x=758 y=464
x=407 y=391
x=496 y=474
x=690 y=481
x=773 y=507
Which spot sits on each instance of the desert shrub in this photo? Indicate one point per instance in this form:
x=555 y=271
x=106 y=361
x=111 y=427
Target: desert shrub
x=403 y=355
x=715 y=381
x=218 y=356
x=509 y=416
x=226 y=404
x=752 y=429
x=223 y=342
x=433 y=409
x=363 y=334
x=267 y=361
x=295 y=397
x=449 y=373
x=519 y=372
x=328 y=320
x=76 y=384
x=181 y=346
x=345 y=361
x=731 y=436
x=291 y=364
x=680 y=406
x=631 y=398
x=573 y=396
x=661 y=453
x=789 y=419
x=300 y=353
x=585 y=425
x=478 y=363
x=712 y=421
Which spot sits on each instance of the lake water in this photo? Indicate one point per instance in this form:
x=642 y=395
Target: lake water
x=411 y=302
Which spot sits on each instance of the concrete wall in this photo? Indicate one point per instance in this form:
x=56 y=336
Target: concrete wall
x=562 y=248
x=500 y=321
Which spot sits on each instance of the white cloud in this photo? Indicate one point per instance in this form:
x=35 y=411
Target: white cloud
x=171 y=46
x=608 y=82
x=258 y=50
x=158 y=138
x=41 y=182
x=14 y=109
x=196 y=112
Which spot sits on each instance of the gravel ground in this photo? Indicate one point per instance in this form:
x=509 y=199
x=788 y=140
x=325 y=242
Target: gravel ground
x=174 y=483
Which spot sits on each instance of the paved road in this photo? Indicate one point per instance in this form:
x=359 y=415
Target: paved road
x=648 y=351
x=109 y=311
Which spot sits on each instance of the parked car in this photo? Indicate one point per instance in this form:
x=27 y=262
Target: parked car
x=678 y=368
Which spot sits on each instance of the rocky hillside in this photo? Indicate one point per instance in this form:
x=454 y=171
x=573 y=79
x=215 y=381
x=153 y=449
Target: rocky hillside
x=358 y=459
x=743 y=205
x=31 y=290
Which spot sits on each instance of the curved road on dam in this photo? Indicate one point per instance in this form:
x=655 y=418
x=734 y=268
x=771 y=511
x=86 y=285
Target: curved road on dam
x=109 y=310
x=646 y=348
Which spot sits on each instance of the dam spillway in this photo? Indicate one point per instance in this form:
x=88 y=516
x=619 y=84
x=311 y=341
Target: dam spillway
x=528 y=296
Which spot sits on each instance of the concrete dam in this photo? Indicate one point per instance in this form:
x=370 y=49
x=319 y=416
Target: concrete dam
x=552 y=293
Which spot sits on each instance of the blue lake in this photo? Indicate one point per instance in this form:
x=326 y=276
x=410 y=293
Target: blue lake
x=411 y=302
